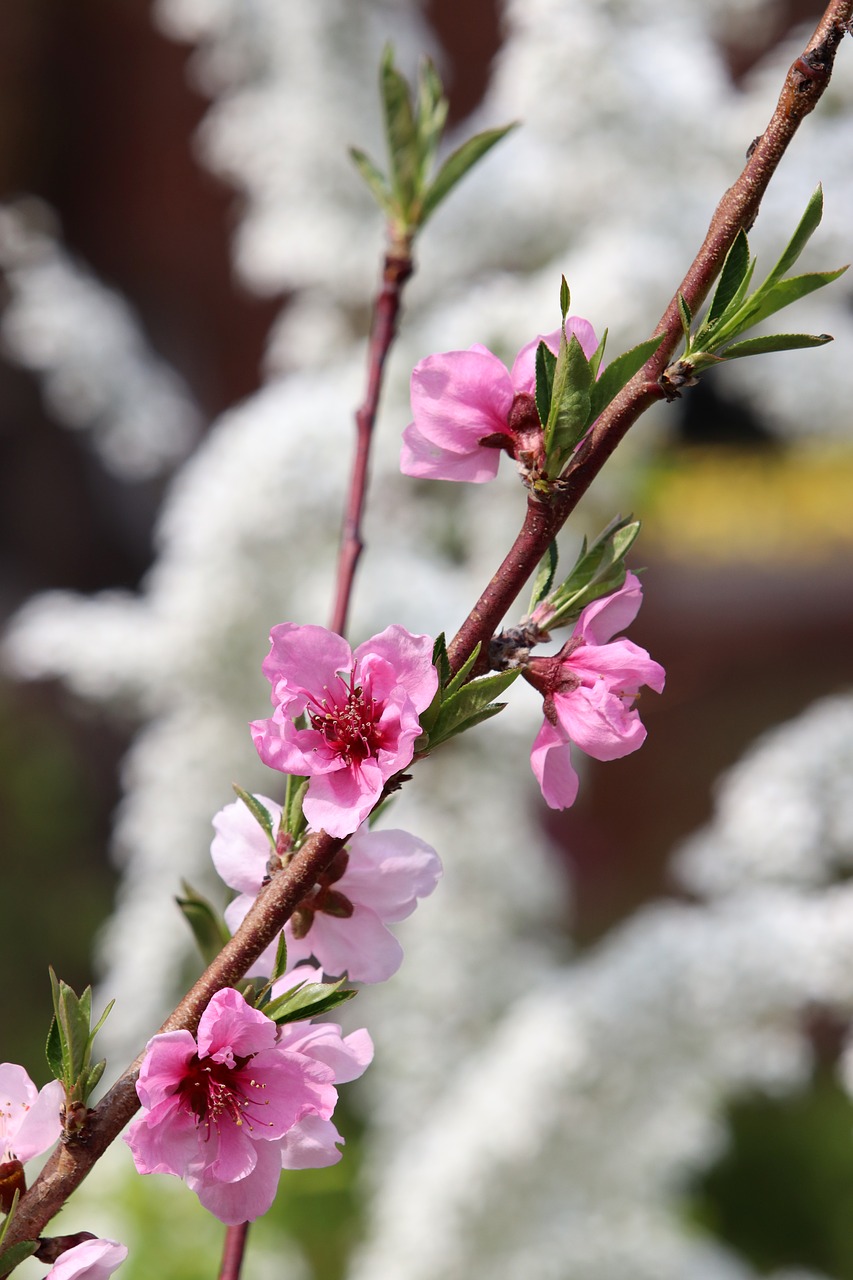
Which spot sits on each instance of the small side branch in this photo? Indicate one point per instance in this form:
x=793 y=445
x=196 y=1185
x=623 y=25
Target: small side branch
x=397 y=269
x=806 y=80
x=234 y=1252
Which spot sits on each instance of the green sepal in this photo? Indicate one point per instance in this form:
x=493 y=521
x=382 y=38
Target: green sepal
x=457 y=165
x=16 y=1254
x=545 y=575
x=546 y=363
x=463 y=709
x=258 y=811
x=308 y=1000
x=208 y=927
x=619 y=373
x=775 y=342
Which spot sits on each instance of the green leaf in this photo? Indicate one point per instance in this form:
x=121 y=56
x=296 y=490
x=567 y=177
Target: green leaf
x=308 y=1000
x=545 y=574
x=619 y=373
x=569 y=414
x=431 y=117
x=16 y=1254
x=806 y=228
x=546 y=363
x=766 y=301
x=375 y=180
x=258 y=811
x=598 y=354
x=457 y=165
x=775 y=342
x=293 y=817
x=732 y=276
x=686 y=317
x=400 y=133
x=53 y=1051
x=461 y=675
x=100 y=1022
x=468 y=702
x=440 y=660
x=598 y=571
x=565 y=298
x=208 y=927
x=94 y=1076
x=280 y=965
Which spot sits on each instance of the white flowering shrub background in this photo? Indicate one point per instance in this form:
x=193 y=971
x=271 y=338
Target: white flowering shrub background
x=527 y=1114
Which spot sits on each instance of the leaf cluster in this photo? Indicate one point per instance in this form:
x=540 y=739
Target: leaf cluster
x=734 y=309
x=414 y=125
x=70 y=1041
x=458 y=706
x=572 y=391
x=598 y=571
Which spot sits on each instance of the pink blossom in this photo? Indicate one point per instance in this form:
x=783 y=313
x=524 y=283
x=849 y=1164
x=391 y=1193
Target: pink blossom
x=468 y=406
x=29 y=1117
x=219 y=1109
x=91 y=1260
x=362 y=709
x=375 y=880
x=589 y=689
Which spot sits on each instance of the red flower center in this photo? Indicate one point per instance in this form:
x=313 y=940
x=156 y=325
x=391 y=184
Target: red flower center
x=213 y=1090
x=348 y=720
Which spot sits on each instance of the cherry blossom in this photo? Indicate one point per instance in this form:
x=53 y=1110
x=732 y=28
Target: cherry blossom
x=362 y=710
x=468 y=406
x=228 y=1109
x=90 y=1260
x=376 y=879
x=29 y=1117
x=589 y=689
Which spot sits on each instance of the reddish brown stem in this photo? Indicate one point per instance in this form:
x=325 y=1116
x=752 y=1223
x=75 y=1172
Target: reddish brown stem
x=805 y=82
x=396 y=270
x=234 y=1252
x=70 y=1163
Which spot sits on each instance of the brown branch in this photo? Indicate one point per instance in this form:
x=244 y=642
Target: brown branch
x=396 y=271
x=70 y=1163
x=805 y=82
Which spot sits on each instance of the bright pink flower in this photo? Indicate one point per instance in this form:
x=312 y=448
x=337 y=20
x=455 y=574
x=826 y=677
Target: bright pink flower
x=91 y=1260
x=29 y=1117
x=219 y=1110
x=589 y=689
x=377 y=879
x=362 y=709
x=462 y=398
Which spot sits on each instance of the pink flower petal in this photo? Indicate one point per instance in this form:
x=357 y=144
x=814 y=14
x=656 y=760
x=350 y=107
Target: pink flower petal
x=240 y=848
x=551 y=762
x=91 y=1260
x=599 y=722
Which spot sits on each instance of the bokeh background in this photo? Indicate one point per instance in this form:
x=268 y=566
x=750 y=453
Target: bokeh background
x=110 y=147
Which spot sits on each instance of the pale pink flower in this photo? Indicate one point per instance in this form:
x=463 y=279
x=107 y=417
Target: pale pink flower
x=91 y=1260
x=218 y=1109
x=375 y=880
x=362 y=709
x=29 y=1117
x=589 y=689
x=468 y=407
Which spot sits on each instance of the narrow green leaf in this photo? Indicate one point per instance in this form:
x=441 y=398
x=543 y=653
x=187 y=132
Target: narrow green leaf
x=775 y=342
x=375 y=180
x=100 y=1022
x=731 y=278
x=686 y=317
x=545 y=575
x=467 y=702
x=53 y=1051
x=618 y=374
x=457 y=165
x=399 y=132
x=767 y=301
x=308 y=1000
x=479 y=717
x=280 y=965
x=430 y=119
x=440 y=660
x=598 y=354
x=207 y=925
x=569 y=415
x=293 y=817
x=546 y=363
x=461 y=675
x=565 y=298
x=92 y=1077
x=806 y=228
x=258 y=811
x=16 y=1254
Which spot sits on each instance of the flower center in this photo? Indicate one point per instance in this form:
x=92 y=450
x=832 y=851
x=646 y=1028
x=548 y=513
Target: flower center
x=214 y=1091
x=347 y=718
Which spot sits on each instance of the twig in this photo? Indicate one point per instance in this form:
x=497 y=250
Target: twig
x=232 y=1254
x=805 y=82
x=70 y=1163
x=397 y=269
